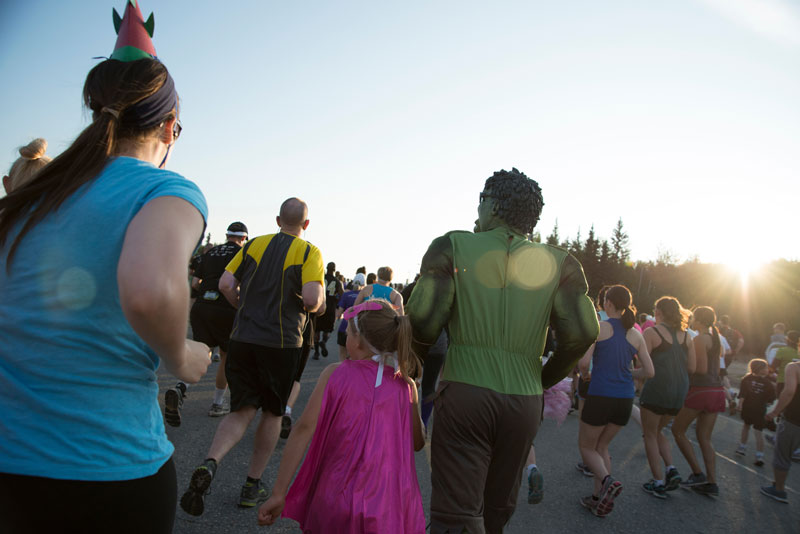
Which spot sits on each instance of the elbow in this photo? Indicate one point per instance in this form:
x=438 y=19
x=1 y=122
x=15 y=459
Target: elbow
x=312 y=304
x=650 y=373
x=142 y=303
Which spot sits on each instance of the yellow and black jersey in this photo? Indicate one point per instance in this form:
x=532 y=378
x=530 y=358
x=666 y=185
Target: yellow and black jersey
x=272 y=270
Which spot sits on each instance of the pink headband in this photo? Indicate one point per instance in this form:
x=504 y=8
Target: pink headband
x=364 y=306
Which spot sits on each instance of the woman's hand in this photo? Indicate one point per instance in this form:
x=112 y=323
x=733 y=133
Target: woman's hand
x=271 y=510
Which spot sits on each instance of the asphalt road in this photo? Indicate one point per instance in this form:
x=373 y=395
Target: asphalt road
x=739 y=508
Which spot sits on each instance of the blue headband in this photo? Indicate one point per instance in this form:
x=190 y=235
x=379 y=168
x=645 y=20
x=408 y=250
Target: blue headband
x=151 y=111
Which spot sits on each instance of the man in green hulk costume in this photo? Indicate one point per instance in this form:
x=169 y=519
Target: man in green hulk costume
x=496 y=292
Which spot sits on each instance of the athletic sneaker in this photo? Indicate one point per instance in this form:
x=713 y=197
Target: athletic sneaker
x=695 y=479
x=709 y=488
x=590 y=503
x=796 y=456
x=583 y=468
x=324 y=350
x=218 y=410
x=192 y=501
x=535 y=486
x=770 y=491
x=741 y=450
x=252 y=494
x=673 y=479
x=759 y=459
x=286 y=426
x=610 y=491
x=769 y=438
x=656 y=490
x=173 y=400
x=215 y=357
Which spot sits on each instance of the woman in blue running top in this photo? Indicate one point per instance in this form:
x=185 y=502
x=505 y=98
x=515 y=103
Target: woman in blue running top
x=94 y=296
x=608 y=404
x=382 y=290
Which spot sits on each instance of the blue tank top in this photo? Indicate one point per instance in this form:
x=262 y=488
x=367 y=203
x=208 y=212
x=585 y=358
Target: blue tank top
x=380 y=292
x=611 y=365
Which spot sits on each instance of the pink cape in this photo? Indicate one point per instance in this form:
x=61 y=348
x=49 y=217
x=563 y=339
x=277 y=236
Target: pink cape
x=557 y=401
x=359 y=473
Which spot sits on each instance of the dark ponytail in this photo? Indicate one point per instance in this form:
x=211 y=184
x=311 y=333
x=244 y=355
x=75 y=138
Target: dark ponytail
x=673 y=314
x=111 y=88
x=705 y=316
x=620 y=297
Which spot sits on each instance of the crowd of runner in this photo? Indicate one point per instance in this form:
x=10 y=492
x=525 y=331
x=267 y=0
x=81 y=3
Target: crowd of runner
x=496 y=331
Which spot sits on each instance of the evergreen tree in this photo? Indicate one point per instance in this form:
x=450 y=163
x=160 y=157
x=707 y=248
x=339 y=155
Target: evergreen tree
x=553 y=238
x=591 y=250
x=619 y=243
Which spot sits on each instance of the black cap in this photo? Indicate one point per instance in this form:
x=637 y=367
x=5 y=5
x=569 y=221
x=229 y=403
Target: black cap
x=237 y=228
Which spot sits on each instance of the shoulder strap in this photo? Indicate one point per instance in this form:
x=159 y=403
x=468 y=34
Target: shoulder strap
x=659 y=334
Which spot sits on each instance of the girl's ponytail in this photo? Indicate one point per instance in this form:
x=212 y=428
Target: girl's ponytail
x=620 y=296
x=408 y=361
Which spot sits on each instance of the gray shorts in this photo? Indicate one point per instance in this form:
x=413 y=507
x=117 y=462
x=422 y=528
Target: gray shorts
x=787 y=440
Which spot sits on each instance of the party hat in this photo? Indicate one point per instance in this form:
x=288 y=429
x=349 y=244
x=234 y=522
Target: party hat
x=133 y=34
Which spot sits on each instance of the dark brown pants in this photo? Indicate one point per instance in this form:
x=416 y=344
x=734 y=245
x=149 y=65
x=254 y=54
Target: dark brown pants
x=481 y=439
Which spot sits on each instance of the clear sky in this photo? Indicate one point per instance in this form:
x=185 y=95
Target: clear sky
x=681 y=117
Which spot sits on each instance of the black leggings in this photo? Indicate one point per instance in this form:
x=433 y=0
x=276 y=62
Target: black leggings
x=36 y=504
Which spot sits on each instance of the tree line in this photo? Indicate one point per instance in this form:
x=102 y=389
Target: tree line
x=769 y=296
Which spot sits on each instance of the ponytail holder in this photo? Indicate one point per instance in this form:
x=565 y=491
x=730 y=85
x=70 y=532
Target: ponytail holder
x=112 y=112
x=397 y=319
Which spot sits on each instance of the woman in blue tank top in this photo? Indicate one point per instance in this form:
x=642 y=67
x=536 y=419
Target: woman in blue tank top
x=672 y=352
x=611 y=390
x=382 y=290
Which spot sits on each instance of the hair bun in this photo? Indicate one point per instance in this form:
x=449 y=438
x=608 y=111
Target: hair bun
x=35 y=149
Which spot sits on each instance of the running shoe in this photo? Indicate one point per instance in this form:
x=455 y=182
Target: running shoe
x=695 y=479
x=759 y=461
x=535 y=486
x=590 y=503
x=709 y=488
x=252 y=494
x=610 y=491
x=218 y=410
x=656 y=490
x=192 y=501
x=741 y=450
x=673 y=479
x=780 y=496
x=324 y=350
x=286 y=426
x=583 y=468
x=173 y=400
x=215 y=357
x=796 y=456
x=769 y=438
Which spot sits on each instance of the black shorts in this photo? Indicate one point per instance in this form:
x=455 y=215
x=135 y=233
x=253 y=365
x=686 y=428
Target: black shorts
x=261 y=376
x=326 y=321
x=212 y=324
x=341 y=338
x=583 y=388
x=659 y=410
x=600 y=411
x=87 y=506
x=755 y=418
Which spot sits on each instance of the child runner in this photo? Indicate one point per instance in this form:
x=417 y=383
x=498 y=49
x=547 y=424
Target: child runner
x=608 y=405
x=359 y=473
x=756 y=392
x=706 y=398
x=662 y=396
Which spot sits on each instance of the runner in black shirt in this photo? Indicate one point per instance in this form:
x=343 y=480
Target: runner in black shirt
x=756 y=392
x=211 y=319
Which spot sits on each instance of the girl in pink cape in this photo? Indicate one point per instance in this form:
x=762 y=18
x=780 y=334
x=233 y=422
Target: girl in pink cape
x=359 y=474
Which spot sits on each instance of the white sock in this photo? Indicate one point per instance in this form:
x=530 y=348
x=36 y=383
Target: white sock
x=219 y=395
x=288 y=410
x=659 y=482
x=669 y=467
x=531 y=467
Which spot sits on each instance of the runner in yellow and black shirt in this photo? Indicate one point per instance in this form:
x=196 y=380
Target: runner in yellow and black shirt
x=275 y=282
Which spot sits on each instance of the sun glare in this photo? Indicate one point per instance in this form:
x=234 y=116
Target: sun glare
x=745 y=268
